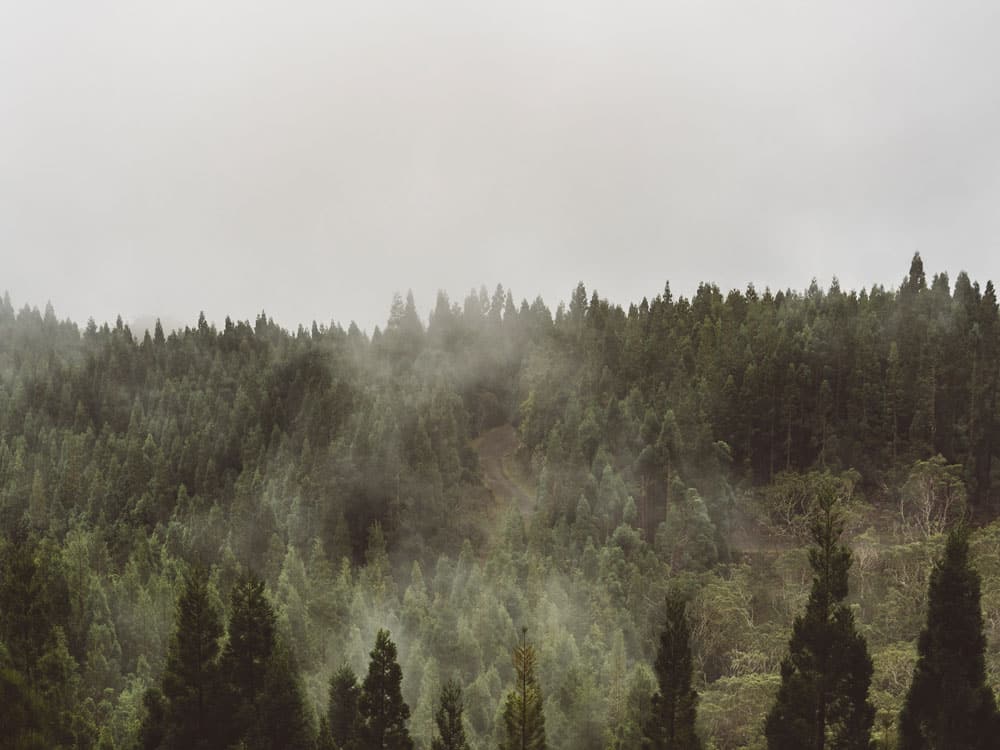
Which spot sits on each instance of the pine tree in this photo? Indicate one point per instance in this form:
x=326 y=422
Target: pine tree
x=191 y=684
x=671 y=726
x=523 y=720
x=451 y=731
x=244 y=661
x=284 y=719
x=250 y=644
x=342 y=709
x=823 y=698
x=949 y=705
x=381 y=702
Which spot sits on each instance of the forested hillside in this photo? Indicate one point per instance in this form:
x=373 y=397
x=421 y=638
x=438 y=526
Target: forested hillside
x=253 y=537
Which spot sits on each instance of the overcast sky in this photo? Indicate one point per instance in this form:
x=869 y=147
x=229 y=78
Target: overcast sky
x=161 y=158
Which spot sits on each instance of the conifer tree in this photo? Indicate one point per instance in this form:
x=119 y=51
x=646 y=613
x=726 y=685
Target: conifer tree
x=191 y=684
x=671 y=726
x=249 y=647
x=451 y=731
x=523 y=720
x=949 y=704
x=823 y=698
x=342 y=709
x=284 y=720
x=381 y=702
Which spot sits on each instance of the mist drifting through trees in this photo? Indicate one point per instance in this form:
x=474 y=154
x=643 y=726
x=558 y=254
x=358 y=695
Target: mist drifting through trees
x=508 y=526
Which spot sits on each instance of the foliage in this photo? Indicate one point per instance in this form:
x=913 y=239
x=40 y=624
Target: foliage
x=343 y=716
x=933 y=497
x=450 y=727
x=823 y=697
x=639 y=448
x=949 y=704
x=671 y=726
x=523 y=716
x=383 y=712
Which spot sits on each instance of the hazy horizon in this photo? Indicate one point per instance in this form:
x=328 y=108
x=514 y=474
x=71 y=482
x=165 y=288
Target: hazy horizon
x=167 y=159
x=143 y=320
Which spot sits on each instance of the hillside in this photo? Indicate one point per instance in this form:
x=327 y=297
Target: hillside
x=499 y=465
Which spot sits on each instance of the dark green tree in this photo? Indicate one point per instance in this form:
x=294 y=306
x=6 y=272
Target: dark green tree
x=24 y=718
x=381 y=704
x=451 y=729
x=250 y=644
x=154 y=723
x=523 y=720
x=191 y=680
x=823 y=698
x=671 y=724
x=342 y=713
x=949 y=704
x=284 y=719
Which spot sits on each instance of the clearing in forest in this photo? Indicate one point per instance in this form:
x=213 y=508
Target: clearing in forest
x=501 y=473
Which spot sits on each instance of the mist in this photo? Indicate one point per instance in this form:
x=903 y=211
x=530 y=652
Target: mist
x=161 y=160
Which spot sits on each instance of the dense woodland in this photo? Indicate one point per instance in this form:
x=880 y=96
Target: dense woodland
x=735 y=520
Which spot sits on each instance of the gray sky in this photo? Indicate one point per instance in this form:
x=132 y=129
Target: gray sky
x=313 y=158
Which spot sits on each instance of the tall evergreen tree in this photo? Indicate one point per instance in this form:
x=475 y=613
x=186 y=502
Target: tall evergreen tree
x=284 y=719
x=250 y=644
x=451 y=730
x=823 y=698
x=523 y=720
x=342 y=709
x=671 y=725
x=191 y=681
x=381 y=704
x=949 y=704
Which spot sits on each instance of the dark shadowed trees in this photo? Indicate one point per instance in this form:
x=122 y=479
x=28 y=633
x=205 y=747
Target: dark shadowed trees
x=671 y=725
x=343 y=717
x=192 y=685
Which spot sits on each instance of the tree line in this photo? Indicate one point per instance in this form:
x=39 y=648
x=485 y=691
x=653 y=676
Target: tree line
x=672 y=446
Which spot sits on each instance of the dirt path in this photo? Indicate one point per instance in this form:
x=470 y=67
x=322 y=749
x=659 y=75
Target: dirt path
x=496 y=449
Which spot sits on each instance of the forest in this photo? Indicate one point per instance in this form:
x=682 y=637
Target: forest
x=753 y=519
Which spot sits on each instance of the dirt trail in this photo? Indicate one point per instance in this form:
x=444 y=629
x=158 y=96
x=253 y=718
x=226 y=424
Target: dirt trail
x=496 y=449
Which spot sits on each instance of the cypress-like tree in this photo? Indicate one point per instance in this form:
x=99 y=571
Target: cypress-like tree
x=342 y=716
x=671 y=725
x=949 y=705
x=451 y=731
x=523 y=720
x=823 y=698
x=381 y=702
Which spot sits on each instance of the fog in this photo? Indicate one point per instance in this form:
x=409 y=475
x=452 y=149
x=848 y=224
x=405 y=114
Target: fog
x=158 y=159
